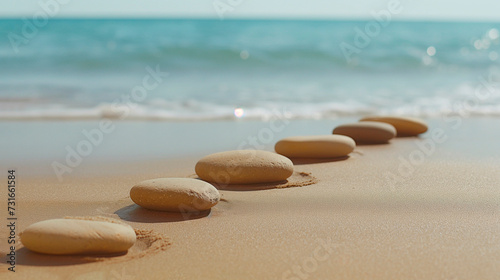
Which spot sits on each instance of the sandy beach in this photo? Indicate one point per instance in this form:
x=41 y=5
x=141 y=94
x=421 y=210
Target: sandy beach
x=386 y=212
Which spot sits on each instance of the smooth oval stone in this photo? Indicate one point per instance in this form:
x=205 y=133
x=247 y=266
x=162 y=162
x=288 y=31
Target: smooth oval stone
x=175 y=195
x=244 y=167
x=367 y=132
x=72 y=236
x=320 y=146
x=405 y=126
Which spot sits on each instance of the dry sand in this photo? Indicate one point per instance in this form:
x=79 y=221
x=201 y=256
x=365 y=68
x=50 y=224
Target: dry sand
x=440 y=222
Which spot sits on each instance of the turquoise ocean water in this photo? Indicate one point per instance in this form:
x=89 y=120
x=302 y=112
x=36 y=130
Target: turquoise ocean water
x=225 y=69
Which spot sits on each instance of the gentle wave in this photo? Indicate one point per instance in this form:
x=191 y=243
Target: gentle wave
x=402 y=57
x=210 y=112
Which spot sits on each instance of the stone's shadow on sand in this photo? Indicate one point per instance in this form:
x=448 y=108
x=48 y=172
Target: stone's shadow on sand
x=298 y=179
x=372 y=144
x=250 y=187
x=300 y=161
x=408 y=136
x=27 y=257
x=136 y=213
x=148 y=243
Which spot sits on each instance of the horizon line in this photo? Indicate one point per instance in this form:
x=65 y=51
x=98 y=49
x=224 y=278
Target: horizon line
x=250 y=18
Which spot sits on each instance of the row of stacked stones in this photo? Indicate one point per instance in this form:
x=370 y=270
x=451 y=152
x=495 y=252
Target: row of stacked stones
x=77 y=236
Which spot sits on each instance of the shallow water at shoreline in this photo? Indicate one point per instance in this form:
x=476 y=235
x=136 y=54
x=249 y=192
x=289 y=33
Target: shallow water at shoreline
x=35 y=146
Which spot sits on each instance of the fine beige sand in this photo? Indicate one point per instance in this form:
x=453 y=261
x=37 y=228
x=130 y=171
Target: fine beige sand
x=362 y=219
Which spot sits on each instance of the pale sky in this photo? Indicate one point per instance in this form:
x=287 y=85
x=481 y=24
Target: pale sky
x=479 y=10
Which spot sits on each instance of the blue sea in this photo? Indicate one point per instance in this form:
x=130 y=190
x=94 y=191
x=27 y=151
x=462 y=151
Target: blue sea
x=246 y=69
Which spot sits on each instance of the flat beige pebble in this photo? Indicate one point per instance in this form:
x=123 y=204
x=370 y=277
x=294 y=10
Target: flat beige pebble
x=74 y=236
x=367 y=132
x=405 y=126
x=244 y=167
x=317 y=146
x=175 y=195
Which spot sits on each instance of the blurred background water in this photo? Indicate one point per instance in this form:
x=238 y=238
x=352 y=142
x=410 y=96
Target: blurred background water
x=248 y=69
